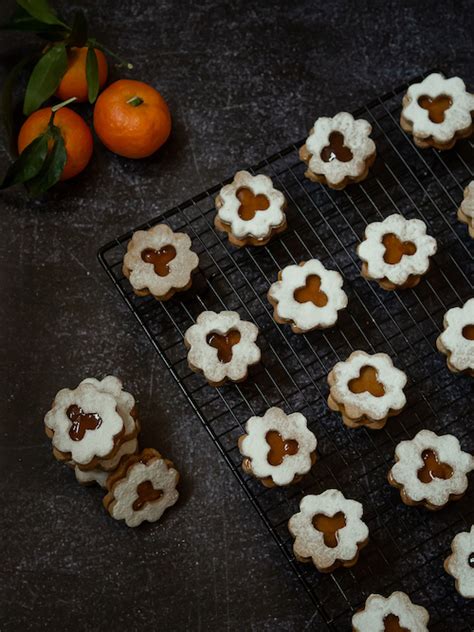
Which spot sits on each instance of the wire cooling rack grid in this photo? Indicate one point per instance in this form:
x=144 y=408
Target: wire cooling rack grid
x=407 y=545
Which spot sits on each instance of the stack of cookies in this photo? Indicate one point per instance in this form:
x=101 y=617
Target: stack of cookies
x=94 y=430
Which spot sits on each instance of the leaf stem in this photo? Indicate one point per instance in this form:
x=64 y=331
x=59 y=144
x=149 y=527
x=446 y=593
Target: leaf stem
x=57 y=107
x=135 y=101
x=93 y=42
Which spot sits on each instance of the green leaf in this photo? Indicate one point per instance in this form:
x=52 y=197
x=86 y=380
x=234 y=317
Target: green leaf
x=7 y=95
x=21 y=20
x=45 y=78
x=78 y=34
x=92 y=74
x=40 y=10
x=29 y=163
x=52 y=168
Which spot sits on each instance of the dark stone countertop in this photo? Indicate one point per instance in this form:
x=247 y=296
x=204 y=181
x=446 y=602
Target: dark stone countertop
x=242 y=80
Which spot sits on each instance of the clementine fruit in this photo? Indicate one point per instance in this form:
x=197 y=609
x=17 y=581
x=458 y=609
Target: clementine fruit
x=74 y=81
x=76 y=134
x=132 y=119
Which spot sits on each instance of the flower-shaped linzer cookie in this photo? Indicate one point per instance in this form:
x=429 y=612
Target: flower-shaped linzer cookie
x=366 y=389
x=338 y=150
x=159 y=262
x=430 y=470
x=396 y=252
x=328 y=530
x=396 y=613
x=308 y=296
x=142 y=488
x=278 y=448
x=250 y=210
x=222 y=347
x=460 y=564
x=466 y=210
x=437 y=111
x=84 y=425
x=457 y=339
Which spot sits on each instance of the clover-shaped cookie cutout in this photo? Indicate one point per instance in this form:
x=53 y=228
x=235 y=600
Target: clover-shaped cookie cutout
x=366 y=389
x=250 y=210
x=104 y=468
x=328 y=530
x=437 y=111
x=142 y=488
x=460 y=564
x=396 y=252
x=457 y=339
x=159 y=262
x=125 y=407
x=84 y=425
x=338 y=150
x=396 y=613
x=466 y=210
x=279 y=449
x=307 y=296
x=430 y=470
x=222 y=347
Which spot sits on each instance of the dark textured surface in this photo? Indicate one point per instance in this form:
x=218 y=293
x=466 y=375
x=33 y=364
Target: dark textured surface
x=241 y=83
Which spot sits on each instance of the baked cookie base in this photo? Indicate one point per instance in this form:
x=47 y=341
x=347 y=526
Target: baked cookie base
x=337 y=563
x=414 y=503
x=465 y=219
x=440 y=346
x=305 y=156
x=268 y=480
x=162 y=297
x=385 y=284
x=247 y=241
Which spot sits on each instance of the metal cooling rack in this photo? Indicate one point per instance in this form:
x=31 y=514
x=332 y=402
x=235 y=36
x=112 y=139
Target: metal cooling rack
x=407 y=545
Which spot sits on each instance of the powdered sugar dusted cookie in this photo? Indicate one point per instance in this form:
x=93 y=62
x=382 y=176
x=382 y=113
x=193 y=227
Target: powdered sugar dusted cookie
x=430 y=470
x=222 y=347
x=396 y=613
x=142 y=488
x=457 y=339
x=278 y=448
x=460 y=564
x=84 y=425
x=99 y=474
x=250 y=210
x=338 y=150
x=307 y=296
x=396 y=252
x=437 y=111
x=159 y=262
x=366 y=389
x=466 y=210
x=328 y=530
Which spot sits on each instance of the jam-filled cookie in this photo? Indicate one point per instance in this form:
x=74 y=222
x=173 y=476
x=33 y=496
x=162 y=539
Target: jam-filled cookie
x=250 y=210
x=466 y=210
x=85 y=426
x=222 y=347
x=366 y=389
x=430 y=470
x=142 y=488
x=437 y=111
x=460 y=564
x=338 y=150
x=396 y=252
x=396 y=613
x=159 y=262
x=457 y=339
x=279 y=449
x=328 y=530
x=307 y=296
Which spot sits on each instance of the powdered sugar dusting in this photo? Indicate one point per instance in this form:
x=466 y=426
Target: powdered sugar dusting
x=410 y=616
x=460 y=350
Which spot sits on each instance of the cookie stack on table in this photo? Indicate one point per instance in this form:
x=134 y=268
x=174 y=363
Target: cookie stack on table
x=94 y=430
